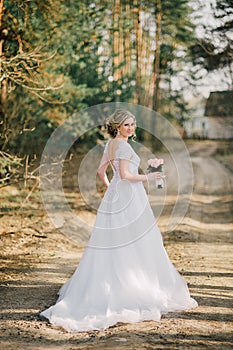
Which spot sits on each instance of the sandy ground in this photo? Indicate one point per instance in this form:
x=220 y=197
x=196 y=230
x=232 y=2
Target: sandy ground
x=36 y=259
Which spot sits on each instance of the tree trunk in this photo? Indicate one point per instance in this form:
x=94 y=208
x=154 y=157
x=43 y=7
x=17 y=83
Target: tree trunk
x=3 y=81
x=138 y=30
x=156 y=66
x=116 y=40
x=127 y=45
x=147 y=70
x=155 y=76
x=121 y=41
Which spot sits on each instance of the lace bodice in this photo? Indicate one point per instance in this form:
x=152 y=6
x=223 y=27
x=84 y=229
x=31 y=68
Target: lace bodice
x=124 y=151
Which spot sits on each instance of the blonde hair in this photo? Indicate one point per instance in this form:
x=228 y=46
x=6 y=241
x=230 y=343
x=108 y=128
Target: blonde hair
x=116 y=119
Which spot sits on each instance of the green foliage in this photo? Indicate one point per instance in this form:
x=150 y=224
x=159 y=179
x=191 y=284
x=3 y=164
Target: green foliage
x=213 y=51
x=59 y=57
x=48 y=46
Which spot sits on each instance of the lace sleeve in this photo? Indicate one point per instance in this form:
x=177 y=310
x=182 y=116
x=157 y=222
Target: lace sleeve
x=124 y=151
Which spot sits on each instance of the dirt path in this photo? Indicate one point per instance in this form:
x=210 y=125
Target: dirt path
x=37 y=259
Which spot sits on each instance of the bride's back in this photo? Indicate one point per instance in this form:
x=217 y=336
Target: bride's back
x=113 y=146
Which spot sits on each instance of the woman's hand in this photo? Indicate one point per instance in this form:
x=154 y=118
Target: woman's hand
x=154 y=176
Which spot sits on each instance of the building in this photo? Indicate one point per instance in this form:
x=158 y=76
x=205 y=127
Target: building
x=196 y=126
x=219 y=113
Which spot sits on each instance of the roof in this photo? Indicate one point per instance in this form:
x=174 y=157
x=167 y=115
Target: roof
x=219 y=104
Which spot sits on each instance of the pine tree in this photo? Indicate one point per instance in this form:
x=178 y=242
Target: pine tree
x=213 y=51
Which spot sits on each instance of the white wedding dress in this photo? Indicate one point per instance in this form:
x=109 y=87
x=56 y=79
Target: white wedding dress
x=125 y=274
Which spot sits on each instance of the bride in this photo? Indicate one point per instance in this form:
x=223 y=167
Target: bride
x=125 y=274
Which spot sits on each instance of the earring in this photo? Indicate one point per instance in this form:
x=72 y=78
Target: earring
x=118 y=132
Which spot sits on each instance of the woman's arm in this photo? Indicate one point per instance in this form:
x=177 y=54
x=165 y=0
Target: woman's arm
x=127 y=175
x=101 y=171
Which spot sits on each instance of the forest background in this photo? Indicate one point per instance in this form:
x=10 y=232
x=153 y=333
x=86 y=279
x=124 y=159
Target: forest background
x=60 y=57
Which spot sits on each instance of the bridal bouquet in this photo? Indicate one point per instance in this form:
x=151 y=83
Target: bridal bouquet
x=156 y=165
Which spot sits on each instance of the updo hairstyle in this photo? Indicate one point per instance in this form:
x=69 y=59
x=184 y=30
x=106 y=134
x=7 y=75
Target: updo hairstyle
x=116 y=119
